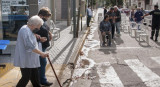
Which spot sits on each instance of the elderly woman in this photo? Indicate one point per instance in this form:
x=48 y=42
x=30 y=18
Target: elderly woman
x=27 y=52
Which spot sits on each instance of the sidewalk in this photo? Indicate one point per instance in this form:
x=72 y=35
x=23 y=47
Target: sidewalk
x=64 y=48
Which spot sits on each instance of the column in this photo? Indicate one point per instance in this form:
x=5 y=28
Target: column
x=1 y=30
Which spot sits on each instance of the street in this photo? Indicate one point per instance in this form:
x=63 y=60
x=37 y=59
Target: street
x=127 y=63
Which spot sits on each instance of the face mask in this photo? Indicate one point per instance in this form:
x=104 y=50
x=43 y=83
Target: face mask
x=35 y=30
x=44 y=19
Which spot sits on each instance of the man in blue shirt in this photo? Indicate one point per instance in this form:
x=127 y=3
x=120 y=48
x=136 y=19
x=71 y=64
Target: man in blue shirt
x=89 y=15
x=138 y=17
x=105 y=28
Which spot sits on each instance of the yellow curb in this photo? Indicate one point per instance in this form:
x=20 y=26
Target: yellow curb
x=10 y=78
x=8 y=67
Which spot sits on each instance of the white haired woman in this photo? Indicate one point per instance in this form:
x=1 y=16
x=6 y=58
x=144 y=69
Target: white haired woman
x=27 y=52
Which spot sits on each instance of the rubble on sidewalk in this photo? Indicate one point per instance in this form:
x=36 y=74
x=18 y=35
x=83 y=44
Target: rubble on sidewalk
x=84 y=66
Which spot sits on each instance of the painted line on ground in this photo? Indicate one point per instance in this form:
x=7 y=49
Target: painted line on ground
x=108 y=76
x=156 y=59
x=120 y=48
x=147 y=76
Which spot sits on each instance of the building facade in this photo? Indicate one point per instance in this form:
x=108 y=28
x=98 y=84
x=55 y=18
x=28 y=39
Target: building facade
x=15 y=13
x=146 y=4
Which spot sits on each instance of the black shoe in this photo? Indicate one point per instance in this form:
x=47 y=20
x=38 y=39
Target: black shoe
x=151 y=38
x=156 y=40
x=103 y=45
x=47 y=84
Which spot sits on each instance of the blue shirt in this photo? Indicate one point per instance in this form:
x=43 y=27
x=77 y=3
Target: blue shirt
x=26 y=42
x=105 y=26
x=138 y=15
x=89 y=12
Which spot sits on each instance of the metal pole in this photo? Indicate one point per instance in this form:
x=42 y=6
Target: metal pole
x=53 y=9
x=81 y=23
x=54 y=72
x=79 y=9
x=69 y=14
x=74 y=19
x=86 y=11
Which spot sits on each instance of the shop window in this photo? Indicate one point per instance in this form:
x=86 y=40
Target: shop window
x=15 y=14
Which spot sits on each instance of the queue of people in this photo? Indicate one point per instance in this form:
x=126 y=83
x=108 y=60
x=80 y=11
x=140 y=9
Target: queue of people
x=112 y=20
x=28 y=56
x=114 y=16
x=139 y=15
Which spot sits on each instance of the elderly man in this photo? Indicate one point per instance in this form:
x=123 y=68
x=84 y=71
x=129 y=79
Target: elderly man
x=27 y=52
x=117 y=19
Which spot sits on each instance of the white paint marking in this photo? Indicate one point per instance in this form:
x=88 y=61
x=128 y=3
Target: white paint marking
x=156 y=59
x=107 y=75
x=147 y=76
x=119 y=48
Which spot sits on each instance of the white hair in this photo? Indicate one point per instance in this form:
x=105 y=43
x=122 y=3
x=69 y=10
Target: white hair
x=35 y=20
x=115 y=7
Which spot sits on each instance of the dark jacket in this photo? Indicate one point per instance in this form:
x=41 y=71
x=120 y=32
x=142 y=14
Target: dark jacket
x=111 y=14
x=105 y=11
x=118 y=14
x=155 y=17
x=44 y=32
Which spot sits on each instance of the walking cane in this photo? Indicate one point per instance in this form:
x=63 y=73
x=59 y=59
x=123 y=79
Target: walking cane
x=54 y=71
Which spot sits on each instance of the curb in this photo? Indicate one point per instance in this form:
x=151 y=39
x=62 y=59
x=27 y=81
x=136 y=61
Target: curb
x=79 y=49
x=72 y=59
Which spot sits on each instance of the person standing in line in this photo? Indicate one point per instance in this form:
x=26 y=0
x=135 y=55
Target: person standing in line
x=89 y=15
x=155 y=22
x=105 y=11
x=143 y=11
x=105 y=28
x=112 y=20
x=132 y=15
x=117 y=20
x=27 y=53
x=138 y=17
x=44 y=31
